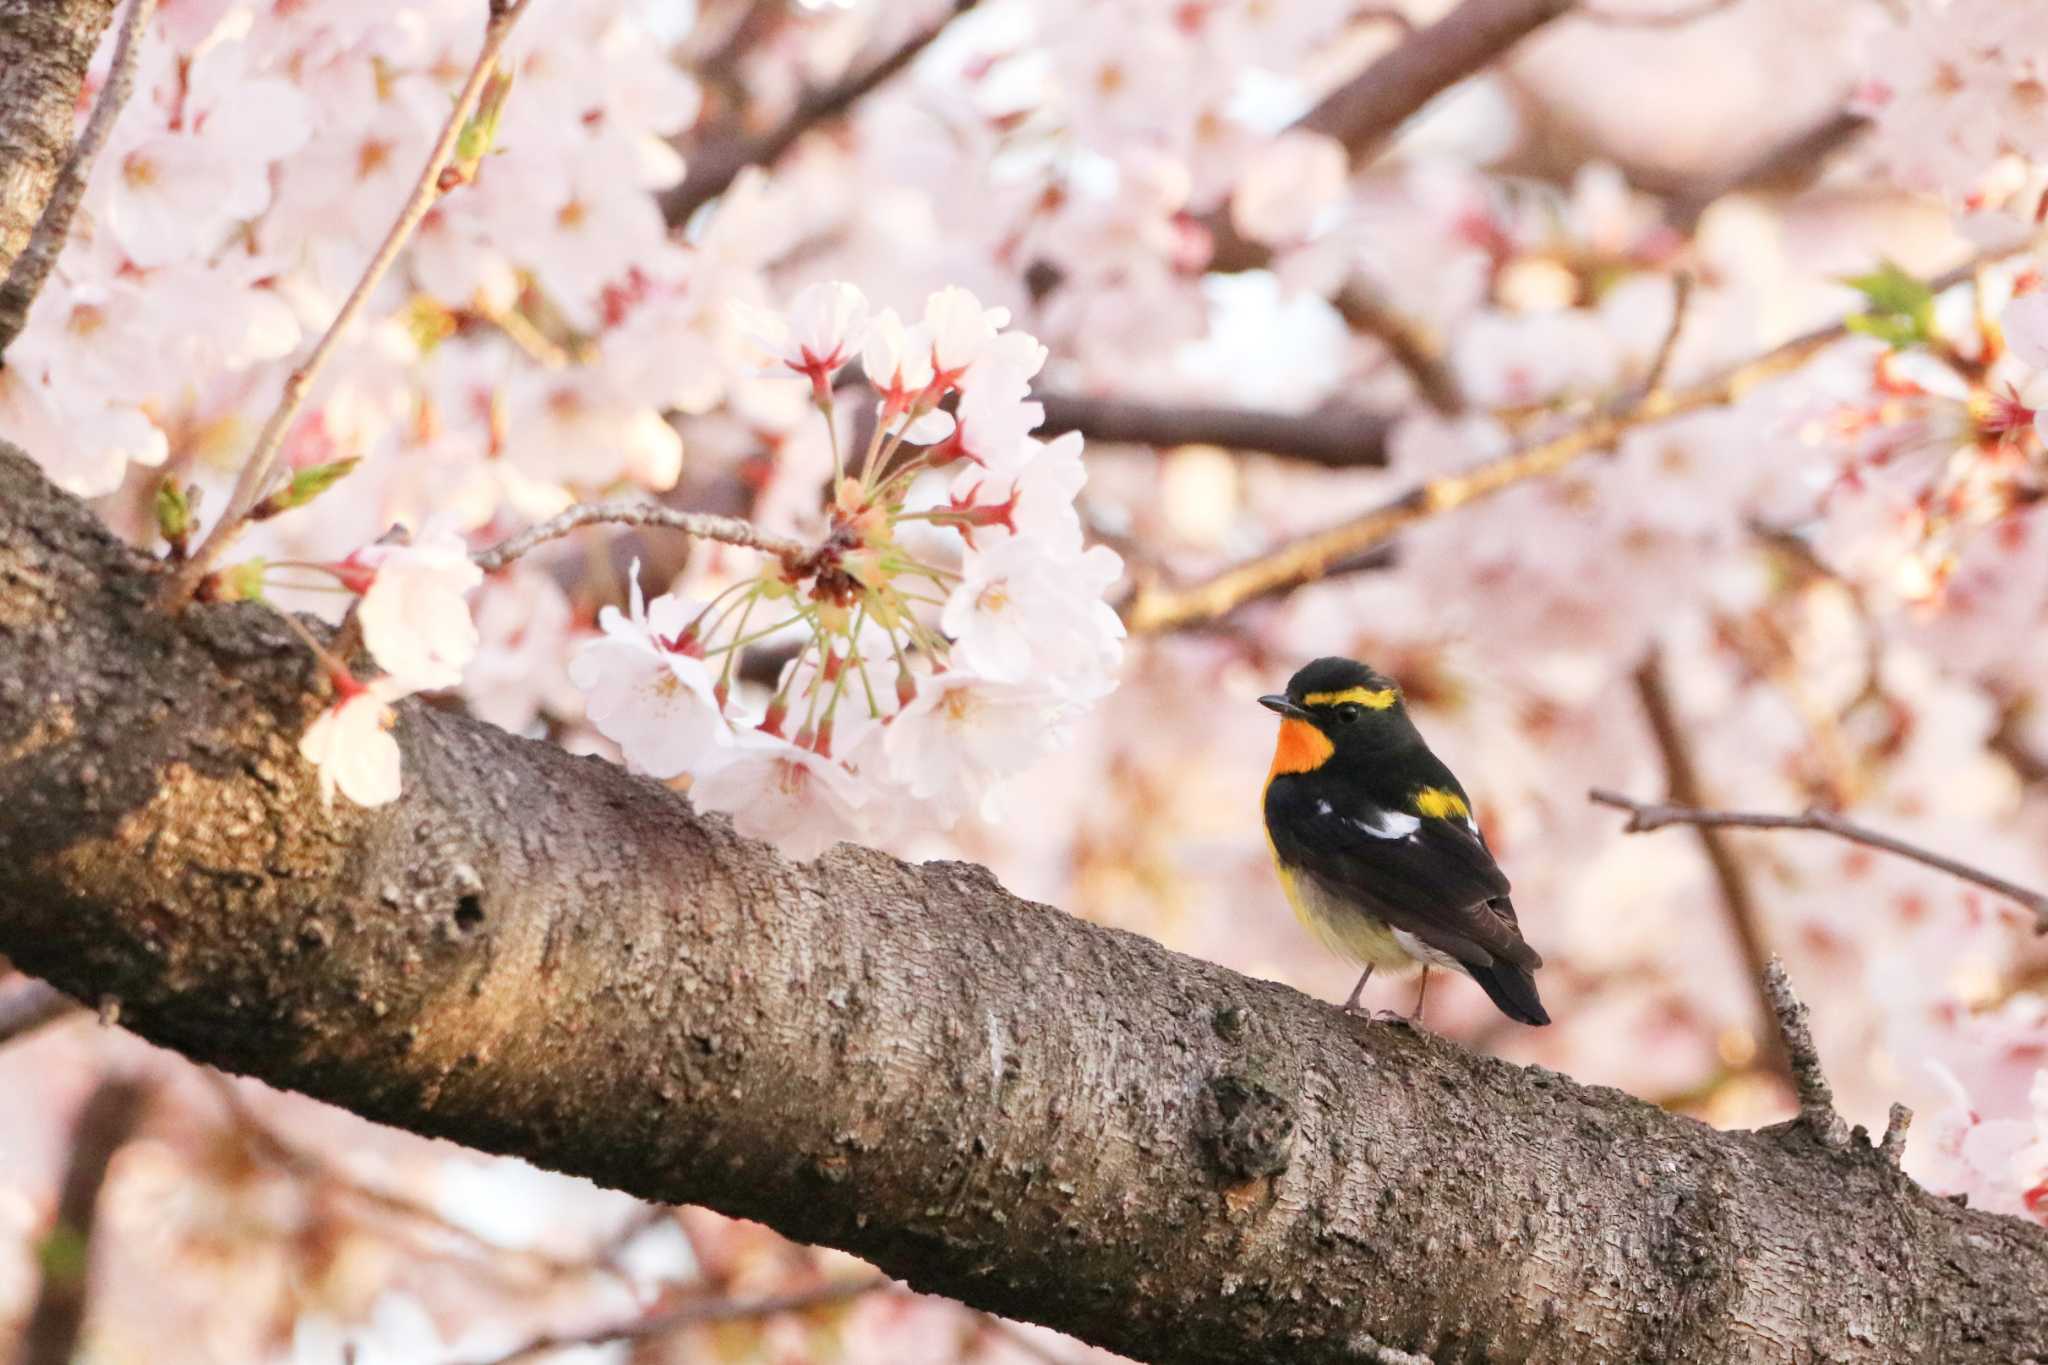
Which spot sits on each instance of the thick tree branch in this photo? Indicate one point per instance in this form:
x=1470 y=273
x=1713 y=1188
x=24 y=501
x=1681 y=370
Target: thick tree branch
x=45 y=48
x=1782 y=166
x=714 y=165
x=543 y=955
x=25 y=278
x=1646 y=816
x=1338 y=436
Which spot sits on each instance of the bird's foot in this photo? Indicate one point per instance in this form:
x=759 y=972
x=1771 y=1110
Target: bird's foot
x=1391 y=1017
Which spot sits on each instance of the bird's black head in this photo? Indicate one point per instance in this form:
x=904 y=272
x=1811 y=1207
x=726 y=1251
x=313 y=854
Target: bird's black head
x=1347 y=702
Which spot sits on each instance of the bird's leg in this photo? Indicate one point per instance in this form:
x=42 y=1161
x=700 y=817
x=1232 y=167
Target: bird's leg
x=1351 y=1003
x=1420 y=993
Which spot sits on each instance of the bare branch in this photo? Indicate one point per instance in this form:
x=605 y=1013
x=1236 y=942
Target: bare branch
x=1660 y=364
x=29 y=1006
x=696 y=1314
x=638 y=512
x=1418 y=353
x=714 y=166
x=1816 y=1097
x=25 y=278
x=1340 y=437
x=433 y=182
x=108 y=1120
x=1309 y=558
x=1738 y=900
x=1646 y=816
x=1782 y=166
x=1369 y=108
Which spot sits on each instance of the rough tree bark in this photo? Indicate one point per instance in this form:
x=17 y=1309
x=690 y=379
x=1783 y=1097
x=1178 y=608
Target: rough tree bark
x=45 y=47
x=542 y=955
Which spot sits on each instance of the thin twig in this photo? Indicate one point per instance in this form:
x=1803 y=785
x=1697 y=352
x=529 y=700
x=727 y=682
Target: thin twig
x=1336 y=436
x=634 y=512
x=714 y=166
x=1781 y=166
x=1809 y=1080
x=29 y=1006
x=31 y=269
x=695 y=1314
x=427 y=190
x=1660 y=364
x=303 y=1164
x=1738 y=900
x=1308 y=558
x=1893 y=1147
x=1419 y=354
x=108 y=1120
x=1645 y=816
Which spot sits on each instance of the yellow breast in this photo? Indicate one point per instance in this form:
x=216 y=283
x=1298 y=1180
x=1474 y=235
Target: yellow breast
x=1341 y=927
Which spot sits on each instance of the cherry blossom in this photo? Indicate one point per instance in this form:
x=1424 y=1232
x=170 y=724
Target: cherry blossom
x=647 y=686
x=415 y=618
x=350 y=744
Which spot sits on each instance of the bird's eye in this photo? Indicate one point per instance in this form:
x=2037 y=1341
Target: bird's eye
x=1348 y=712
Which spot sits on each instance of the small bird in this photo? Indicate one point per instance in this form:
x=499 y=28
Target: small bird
x=1376 y=846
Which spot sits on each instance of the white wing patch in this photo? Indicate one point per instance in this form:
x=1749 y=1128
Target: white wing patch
x=1387 y=824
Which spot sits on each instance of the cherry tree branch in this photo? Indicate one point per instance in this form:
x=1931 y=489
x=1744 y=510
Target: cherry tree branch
x=1645 y=816
x=1738 y=898
x=1781 y=165
x=434 y=181
x=638 y=512
x=1369 y=108
x=544 y=955
x=698 y=1313
x=25 y=278
x=713 y=166
x=104 y=1126
x=1337 y=436
x=1307 y=559
x=46 y=47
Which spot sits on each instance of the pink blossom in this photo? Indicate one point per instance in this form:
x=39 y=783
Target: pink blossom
x=351 y=745
x=414 y=613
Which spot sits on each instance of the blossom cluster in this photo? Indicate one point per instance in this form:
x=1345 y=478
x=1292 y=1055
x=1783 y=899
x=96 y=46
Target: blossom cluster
x=948 y=623
x=1956 y=90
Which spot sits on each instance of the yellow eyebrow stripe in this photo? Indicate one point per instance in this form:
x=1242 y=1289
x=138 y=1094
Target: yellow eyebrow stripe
x=1372 y=699
x=1439 y=804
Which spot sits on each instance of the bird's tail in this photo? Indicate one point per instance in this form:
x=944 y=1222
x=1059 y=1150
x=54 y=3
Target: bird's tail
x=1513 y=989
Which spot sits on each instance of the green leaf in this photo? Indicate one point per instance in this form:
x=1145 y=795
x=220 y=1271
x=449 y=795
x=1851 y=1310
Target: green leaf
x=1901 y=312
x=309 y=484
x=306 y=485
x=480 y=131
x=63 y=1256
x=173 y=512
x=243 y=582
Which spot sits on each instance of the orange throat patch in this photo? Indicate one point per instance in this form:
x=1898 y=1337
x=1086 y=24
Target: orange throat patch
x=1302 y=748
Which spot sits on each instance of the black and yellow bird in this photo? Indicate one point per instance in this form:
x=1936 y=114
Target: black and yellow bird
x=1376 y=845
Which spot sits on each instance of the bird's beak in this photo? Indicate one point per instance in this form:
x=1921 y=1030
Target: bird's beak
x=1276 y=702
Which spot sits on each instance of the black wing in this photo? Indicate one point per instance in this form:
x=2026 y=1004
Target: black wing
x=1431 y=876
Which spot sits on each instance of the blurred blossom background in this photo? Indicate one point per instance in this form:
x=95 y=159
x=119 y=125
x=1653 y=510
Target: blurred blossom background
x=1825 y=587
